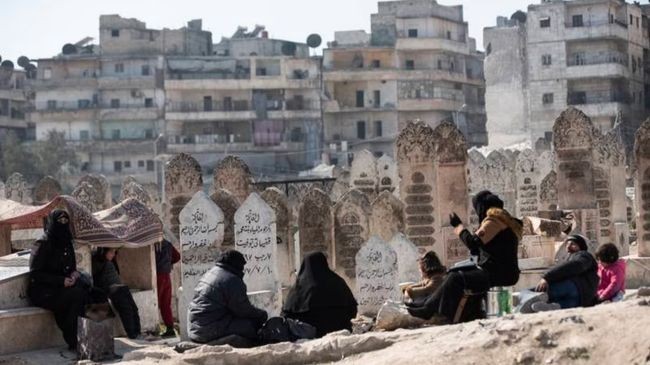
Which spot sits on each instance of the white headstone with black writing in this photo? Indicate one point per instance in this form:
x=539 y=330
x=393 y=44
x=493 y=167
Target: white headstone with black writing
x=201 y=235
x=407 y=258
x=377 y=275
x=255 y=238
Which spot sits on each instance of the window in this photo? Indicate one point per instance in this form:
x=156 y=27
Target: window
x=149 y=165
x=546 y=60
x=360 y=99
x=260 y=71
x=376 y=64
x=117 y=166
x=577 y=21
x=140 y=163
x=145 y=70
x=378 y=128
x=361 y=129
x=547 y=98
x=207 y=103
x=580 y=58
x=83 y=103
x=115 y=134
x=119 y=68
x=115 y=103
x=47 y=74
x=611 y=18
x=148 y=102
x=115 y=33
x=51 y=104
x=84 y=135
x=631 y=19
x=376 y=99
x=637 y=22
x=545 y=22
x=148 y=133
x=127 y=164
x=413 y=33
x=448 y=35
x=410 y=64
x=439 y=64
x=633 y=65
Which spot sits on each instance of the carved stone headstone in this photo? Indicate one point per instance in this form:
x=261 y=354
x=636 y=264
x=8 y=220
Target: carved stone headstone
x=201 y=234
x=363 y=173
x=546 y=162
x=573 y=146
x=548 y=192
x=89 y=196
x=2 y=190
x=132 y=189
x=102 y=189
x=278 y=202
x=415 y=151
x=527 y=175
x=233 y=174
x=407 y=258
x=229 y=205
x=182 y=180
x=387 y=175
x=16 y=188
x=377 y=275
x=642 y=196
x=351 y=227
x=315 y=224
x=46 y=189
x=477 y=177
x=387 y=216
x=500 y=178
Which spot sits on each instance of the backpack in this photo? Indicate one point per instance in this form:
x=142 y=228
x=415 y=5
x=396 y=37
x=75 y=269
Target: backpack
x=280 y=329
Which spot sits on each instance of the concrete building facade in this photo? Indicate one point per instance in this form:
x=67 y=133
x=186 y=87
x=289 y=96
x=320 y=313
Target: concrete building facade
x=590 y=54
x=13 y=101
x=418 y=62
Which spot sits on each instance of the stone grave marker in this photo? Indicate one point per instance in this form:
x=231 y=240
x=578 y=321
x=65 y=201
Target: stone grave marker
x=548 y=192
x=377 y=276
x=642 y=195
x=16 y=189
x=2 y=190
x=407 y=258
x=351 y=226
x=46 y=190
x=201 y=235
x=387 y=216
x=363 y=173
x=229 y=205
x=387 y=175
x=278 y=202
x=527 y=175
x=89 y=196
x=233 y=174
x=183 y=179
x=315 y=224
x=132 y=189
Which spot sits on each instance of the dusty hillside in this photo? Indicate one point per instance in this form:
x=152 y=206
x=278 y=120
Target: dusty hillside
x=607 y=334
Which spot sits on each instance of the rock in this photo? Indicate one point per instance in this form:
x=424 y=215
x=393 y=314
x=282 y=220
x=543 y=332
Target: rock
x=576 y=353
x=362 y=324
x=643 y=292
x=393 y=315
x=545 y=339
x=95 y=339
x=526 y=358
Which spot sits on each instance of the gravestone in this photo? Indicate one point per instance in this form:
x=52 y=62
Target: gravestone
x=229 y=205
x=363 y=173
x=16 y=189
x=285 y=257
x=407 y=259
x=351 y=227
x=233 y=174
x=132 y=189
x=573 y=146
x=548 y=192
x=2 y=190
x=201 y=234
x=499 y=178
x=183 y=179
x=387 y=216
x=315 y=224
x=527 y=175
x=89 y=196
x=450 y=190
x=387 y=175
x=102 y=187
x=477 y=167
x=545 y=163
x=47 y=189
x=642 y=195
x=415 y=151
x=377 y=276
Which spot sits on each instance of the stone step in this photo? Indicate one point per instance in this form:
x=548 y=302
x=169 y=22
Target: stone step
x=27 y=329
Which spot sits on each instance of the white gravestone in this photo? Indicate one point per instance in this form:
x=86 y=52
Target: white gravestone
x=201 y=235
x=255 y=238
x=377 y=276
x=407 y=258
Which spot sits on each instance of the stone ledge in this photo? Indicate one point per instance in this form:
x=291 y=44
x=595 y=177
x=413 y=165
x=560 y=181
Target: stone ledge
x=26 y=329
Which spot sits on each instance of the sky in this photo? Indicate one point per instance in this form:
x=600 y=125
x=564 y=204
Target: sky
x=39 y=28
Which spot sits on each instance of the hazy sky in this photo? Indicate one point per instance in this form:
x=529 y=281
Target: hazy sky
x=39 y=28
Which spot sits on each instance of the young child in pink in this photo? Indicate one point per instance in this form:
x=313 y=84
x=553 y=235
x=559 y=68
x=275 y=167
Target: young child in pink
x=611 y=271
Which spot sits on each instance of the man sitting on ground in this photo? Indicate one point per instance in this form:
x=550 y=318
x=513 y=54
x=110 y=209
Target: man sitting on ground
x=572 y=283
x=221 y=308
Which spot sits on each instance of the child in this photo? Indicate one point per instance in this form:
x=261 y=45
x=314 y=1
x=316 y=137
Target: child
x=611 y=271
x=432 y=272
x=166 y=257
x=106 y=277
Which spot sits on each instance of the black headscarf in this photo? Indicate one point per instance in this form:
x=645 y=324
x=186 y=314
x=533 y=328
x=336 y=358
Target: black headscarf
x=483 y=201
x=232 y=261
x=580 y=240
x=56 y=232
x=317 y=287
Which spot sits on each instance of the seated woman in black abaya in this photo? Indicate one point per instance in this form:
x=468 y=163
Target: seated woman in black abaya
x=54 y=282
x=320 y=297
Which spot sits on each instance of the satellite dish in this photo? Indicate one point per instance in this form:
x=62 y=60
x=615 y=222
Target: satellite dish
x=289 y=49
x=23 y=61
x=69 y=48
x=7 y=65
x=314 y=40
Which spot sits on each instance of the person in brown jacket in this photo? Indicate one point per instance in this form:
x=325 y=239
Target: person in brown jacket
x=432 y=272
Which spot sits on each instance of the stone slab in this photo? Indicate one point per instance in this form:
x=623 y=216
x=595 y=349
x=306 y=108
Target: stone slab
x=637 y=272
x=27 y=329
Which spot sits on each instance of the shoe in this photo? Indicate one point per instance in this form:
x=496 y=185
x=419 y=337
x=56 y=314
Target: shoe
x=545 y=307
x=169 y=332
x=526 y=306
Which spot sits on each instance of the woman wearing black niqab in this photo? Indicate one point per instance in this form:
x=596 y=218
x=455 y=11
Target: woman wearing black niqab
x=320 y=297
x=53 y=276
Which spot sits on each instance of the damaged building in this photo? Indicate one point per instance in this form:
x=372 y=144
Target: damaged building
x=13 y=102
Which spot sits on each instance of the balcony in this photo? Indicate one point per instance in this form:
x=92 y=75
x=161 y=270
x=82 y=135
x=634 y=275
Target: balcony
x=257 y=82
x=88 y=82
x=598 y=65
x=368 y=74
x=130 y=112
x=599 y=103
x=334 y=106
x=243 y=110
x=221 y=143
x=135 y=81
x=404 y=43
x=590 y=30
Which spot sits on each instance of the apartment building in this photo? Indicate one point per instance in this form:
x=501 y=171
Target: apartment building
x=13 y=101
x=591 y=54
x=418 y=62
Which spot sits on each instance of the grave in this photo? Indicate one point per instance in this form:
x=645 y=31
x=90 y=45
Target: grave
x=351 y=227
x=407 y=259
x=284 y=239
x=16 y=189
x=387 y=216
x=363 y=173
x=233 y=174
x=229 y=205
x=387 y=175
x=315 y=224
x=377 y=276
x=46 y=189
